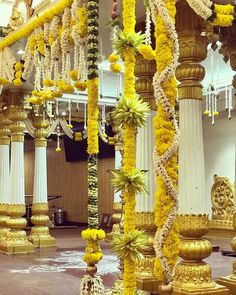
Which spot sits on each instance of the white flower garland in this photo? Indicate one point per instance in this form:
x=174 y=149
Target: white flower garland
x=9 y=61
x=29 y=61
x=158 y=7
x=201 y=7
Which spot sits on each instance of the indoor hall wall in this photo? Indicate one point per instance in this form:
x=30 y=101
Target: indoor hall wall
x=219 y=149
x=70 y=181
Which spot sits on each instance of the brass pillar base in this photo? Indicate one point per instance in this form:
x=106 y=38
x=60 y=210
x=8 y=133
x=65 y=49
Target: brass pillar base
x=150 y=285
x=41 y=238
x=16 y=243
x=217 y=290
x=229 y=282
x=40 y=235
x=192 y=274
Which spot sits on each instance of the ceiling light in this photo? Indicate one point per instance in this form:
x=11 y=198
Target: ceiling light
x=20 y=51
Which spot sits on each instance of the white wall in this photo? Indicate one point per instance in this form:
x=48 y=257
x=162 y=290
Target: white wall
x=219 y=149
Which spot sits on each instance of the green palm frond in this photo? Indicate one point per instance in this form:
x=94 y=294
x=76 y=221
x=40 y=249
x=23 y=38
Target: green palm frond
x=130 y=245
x=131 y=111
x=124 y=42
x=132 y=181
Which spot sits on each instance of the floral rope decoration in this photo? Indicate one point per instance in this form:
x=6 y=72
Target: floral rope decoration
x=166 y=241
x=217 y=14
x=92 y=235
x=130 y=113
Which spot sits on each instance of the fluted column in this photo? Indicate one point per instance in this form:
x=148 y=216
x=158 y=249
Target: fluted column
x=16 y=239
x=228 y=38
x=4 y=175
x=144 y=71
x=192 y=274
x=40 y=235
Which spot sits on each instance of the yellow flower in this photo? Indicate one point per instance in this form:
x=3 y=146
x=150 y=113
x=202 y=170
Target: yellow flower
x=92 y=116
x=17 y=82
x=57 y=93
x=73 y=75
x=81 y=86
x=224 y=9
x=114 y=58
x=4 y=81
x=223 y=20
x=18 y=66
x=147 y=52
x=18 y=74
x=48 y=82
x=82 y=21
x=92 y=258
x=116 y=68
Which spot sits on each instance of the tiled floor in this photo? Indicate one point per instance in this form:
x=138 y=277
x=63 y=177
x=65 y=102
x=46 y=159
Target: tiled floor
x=56 y=272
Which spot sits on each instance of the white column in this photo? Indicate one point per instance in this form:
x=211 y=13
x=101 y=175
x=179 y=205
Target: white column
x=40 y=175
x=144 y=152
x=118 y=159
x=192 y=197
x=4 y=174
x=17 y=180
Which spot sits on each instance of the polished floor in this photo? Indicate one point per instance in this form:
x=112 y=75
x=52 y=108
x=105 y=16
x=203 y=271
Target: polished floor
x=58 y=271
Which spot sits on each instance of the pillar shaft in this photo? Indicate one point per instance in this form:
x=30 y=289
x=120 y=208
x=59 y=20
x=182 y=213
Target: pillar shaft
x=4 y=174
x=16 y=239
x=190 y=73
x=145 y=145
x=144 y=71
x=192 y=274
x=40 y=235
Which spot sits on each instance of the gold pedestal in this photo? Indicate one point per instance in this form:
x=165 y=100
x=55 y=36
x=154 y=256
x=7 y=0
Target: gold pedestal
x=16 y=240
x=146 y=279
x=3 y=222
x=193 y=275
x=40 y=236
x=230 y=281
x=116 y=219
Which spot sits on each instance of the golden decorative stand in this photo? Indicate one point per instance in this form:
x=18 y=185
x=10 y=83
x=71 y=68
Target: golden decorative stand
x=3 y=222
x=146 y=279
x=230 y=281
x=222 y=197
x=116 y=219
x=40 y=236
x=192 y=274
x=16 y=239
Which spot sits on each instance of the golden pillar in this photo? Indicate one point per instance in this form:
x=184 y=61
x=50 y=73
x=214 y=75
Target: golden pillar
x=16 y=239
x=40 y=235
x=192 y=274
x=144 y=71
x=230 y=281
x=4 y=174
x=228 y=38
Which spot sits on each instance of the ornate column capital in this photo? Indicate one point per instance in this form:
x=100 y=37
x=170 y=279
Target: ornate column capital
x=17 y=115
x=40 y=132
x=144 y=71
x=4 y=129
x=193 y=50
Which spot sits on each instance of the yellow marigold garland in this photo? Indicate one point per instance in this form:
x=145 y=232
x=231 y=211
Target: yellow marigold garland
x=129 y=156
x=36 y=22
x=164 y=135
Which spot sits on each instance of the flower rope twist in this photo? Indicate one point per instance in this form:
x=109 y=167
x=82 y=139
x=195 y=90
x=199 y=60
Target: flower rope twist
x=164 y=74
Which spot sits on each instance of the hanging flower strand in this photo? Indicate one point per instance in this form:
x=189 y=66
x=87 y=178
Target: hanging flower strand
x=166 y=241
x=91 y=283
